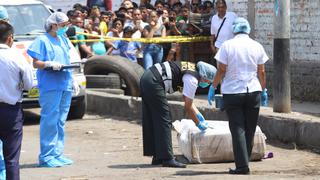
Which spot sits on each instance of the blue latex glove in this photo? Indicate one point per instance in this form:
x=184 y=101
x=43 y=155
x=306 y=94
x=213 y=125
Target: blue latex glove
x=200 y=117
x=202 y=125
x=211 y=94
x=264 y=98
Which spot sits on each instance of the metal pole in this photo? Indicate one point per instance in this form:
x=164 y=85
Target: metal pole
x=281 y=57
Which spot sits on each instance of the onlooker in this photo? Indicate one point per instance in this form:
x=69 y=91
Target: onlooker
x=16 y=76
x=153 y=53
x=116 y=31
x=128 y=49
x=137 y=23
x=55 y=86
x=104 y=21
x=105 y=5
x=221 y=25
x=84 y=50
x=241 y=67
x=172 y=30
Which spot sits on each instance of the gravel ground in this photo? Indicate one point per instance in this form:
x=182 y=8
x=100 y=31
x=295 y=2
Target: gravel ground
x=108 y=148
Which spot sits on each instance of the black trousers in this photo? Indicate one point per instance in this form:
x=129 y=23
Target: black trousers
x=156 y=119
x=11 y=122
x=243 y=113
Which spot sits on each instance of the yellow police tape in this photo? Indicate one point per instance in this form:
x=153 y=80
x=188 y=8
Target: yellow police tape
x=167 y=39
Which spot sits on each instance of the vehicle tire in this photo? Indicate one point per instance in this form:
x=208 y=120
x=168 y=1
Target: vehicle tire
x=128 y=71
x=111 y=81
x=78 y=110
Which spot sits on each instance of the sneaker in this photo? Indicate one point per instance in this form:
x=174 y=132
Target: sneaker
x=64 y=160
x=51 y=163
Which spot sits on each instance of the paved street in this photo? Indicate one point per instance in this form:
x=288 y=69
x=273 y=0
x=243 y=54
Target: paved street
x=111 y=148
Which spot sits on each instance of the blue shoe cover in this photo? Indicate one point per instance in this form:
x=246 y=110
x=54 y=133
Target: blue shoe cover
x=51 y=163
x=2 y=174
x=64 y=160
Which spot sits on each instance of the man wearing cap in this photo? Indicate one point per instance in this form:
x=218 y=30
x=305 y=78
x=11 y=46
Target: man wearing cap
x=158 y=80
x=15 y=76
x=241 y=69
x=50 y=52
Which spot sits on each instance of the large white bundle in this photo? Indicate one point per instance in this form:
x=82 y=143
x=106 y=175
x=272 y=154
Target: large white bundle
x=213 y=145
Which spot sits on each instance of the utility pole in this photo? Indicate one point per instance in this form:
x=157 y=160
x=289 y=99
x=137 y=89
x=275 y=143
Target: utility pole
x=281 y=57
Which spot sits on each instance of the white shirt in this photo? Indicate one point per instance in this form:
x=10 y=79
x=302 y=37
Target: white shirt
x=226 y=29
x=12 y=64
x=136 y=34
x=242 y=55
x=190 y=85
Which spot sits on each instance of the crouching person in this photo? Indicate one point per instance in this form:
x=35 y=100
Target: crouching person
x=156 y=121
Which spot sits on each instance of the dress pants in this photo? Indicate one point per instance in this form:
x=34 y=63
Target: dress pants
x=243 y=113
x=156 y=120
x=11 y=123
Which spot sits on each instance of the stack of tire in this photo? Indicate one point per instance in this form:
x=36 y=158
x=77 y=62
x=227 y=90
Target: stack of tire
x=113 y=74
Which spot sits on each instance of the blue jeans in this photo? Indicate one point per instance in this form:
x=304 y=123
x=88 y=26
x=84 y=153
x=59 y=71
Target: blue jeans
x=152 y=54
x=54 y=111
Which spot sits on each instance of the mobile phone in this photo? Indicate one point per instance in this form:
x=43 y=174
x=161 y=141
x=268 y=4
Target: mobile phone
x=85 y=22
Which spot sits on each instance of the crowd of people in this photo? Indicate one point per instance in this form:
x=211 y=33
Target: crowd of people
x=240 y=71
x=145 y=20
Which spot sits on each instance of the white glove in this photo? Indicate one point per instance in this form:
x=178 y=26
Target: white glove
x=53 y=64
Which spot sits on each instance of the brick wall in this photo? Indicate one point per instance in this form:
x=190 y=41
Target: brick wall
x=304 y=43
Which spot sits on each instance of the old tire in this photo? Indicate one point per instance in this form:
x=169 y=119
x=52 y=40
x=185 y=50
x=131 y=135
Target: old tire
x=111 y=81
x=128 y=71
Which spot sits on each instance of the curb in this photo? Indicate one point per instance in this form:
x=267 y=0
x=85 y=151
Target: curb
x=286 y=128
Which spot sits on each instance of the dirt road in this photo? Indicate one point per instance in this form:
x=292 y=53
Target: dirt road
x=110 y=148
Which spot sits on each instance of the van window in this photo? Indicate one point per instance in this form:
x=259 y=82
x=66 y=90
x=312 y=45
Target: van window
x=28 y=18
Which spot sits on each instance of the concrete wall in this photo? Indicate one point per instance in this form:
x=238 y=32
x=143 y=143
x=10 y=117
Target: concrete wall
x=304 y=43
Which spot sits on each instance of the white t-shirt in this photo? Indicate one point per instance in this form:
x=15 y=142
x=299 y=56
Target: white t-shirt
x=242 y=55
x=226 y=29
x=190 y=85
x=136 y=34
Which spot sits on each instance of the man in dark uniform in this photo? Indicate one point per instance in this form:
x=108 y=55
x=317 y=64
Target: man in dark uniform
x=15 y=76
x=155 y=83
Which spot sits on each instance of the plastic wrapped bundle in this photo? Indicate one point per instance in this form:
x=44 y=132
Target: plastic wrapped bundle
x=213 y=145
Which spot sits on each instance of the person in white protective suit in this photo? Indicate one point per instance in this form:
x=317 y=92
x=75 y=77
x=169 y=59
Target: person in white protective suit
x=50 y=52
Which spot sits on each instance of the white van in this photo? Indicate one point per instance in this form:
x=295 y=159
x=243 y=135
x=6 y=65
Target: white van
x=28 y=18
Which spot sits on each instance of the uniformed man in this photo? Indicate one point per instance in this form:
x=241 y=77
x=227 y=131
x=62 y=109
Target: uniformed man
x=15 y=76
x=155 y=83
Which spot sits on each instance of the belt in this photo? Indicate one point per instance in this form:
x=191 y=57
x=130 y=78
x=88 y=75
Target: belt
x=3 y=104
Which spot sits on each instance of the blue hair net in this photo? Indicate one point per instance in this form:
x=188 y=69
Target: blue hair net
x=3 y=13
x=241 y=25
x=206 y=71
x=55 y=18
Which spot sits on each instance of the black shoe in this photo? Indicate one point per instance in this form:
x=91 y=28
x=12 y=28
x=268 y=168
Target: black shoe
x=245 y=170
x=173 y=163
x=156 y=161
